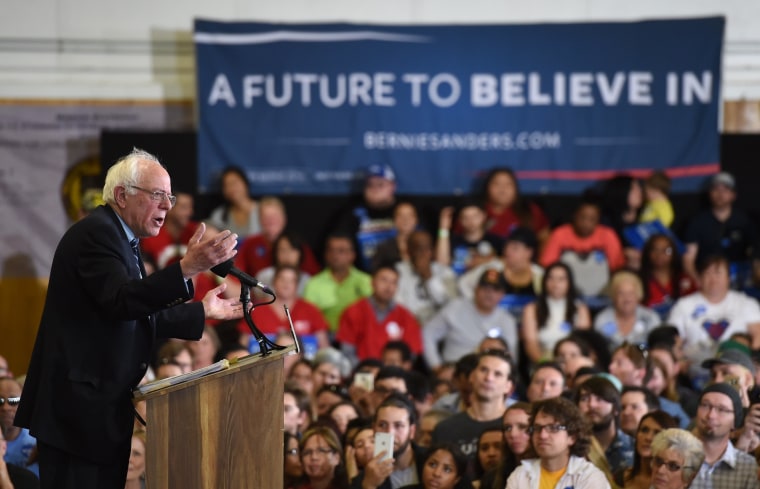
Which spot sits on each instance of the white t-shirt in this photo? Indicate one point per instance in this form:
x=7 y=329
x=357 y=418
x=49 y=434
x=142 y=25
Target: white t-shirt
x=704 y=325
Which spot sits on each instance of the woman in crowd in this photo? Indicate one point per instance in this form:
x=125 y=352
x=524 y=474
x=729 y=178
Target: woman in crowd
x=516 y=446
x=444 y=467
x=360 y=446
x=662 y=274
x=490 y=450
x=572 y=353
x=342 y=413
x=136 y=469
x=322 y=460
x=293 y=470
x=240 y=212
x=395 y=249
x=626 y=319
x=554 y=314
x=328 y=396
x=301 y=373
x=287 y=250
x=677 y=456
x=205 y=350
x=507 y=209
x=639 y=476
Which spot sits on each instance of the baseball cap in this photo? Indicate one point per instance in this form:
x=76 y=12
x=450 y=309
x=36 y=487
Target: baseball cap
x=382 y=171
x=731 y=356
x=491 y=278
x=723 y=178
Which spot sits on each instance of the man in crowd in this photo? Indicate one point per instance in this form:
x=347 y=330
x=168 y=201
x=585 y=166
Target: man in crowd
x=101 y=317
x=635 y=402
x=547 y=381
x=20 y=444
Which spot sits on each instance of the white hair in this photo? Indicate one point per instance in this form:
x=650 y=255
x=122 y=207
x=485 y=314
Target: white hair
x=126 y=172
x=684 y=443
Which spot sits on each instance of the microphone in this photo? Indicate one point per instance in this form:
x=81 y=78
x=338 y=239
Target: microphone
x=225 y=268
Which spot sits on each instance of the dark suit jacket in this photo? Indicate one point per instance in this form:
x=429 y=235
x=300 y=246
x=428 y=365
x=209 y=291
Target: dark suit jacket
x=96 y=337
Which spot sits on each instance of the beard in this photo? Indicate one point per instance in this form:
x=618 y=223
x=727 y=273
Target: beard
x=603 y=424
x=402 y=448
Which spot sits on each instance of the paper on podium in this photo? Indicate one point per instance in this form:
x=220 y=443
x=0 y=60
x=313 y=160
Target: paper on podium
x=178 y=379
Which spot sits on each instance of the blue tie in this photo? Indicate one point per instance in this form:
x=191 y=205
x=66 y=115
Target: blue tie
x=135 y=244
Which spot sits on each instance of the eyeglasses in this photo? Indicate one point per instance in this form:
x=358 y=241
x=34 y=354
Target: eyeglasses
x=718 y=409
x=12 y=401
x=292 y=451
x=319 y=451
x=508 y=428
x=157 y=195
x=536 y=429
x=657 y=462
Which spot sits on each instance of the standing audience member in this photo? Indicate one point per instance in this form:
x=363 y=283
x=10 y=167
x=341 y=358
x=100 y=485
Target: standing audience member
x=463 y=323
x=443 y=468
x=657 y=206
x=626 y=320
x=296 y=410
x=466 y=245
x=101 y=317
x=547 y=381
x=360 y=446
x=368 y=324
x=591 y=250
x=340 y=284
x=516 y=446
x=560 y=438
x=639 y=475
x=396 y=249
x=554 y=314
x=428 y=422
x=676 y=454
x=489 y=452
x=724 y=467
x=292 y=467
x=240 y=212
x=635 y=403
x=322 y=460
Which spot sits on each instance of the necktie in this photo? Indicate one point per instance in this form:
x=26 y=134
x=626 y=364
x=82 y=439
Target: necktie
x=135 y=244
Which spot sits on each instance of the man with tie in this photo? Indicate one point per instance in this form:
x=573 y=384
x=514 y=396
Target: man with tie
x=102 y=314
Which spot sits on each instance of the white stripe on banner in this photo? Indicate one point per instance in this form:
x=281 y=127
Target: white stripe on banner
x=297 y=36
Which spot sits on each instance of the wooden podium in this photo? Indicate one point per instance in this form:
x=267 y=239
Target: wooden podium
x=220 y=431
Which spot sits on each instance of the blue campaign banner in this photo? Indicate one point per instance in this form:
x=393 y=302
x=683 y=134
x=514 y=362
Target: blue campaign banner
x=305 y=107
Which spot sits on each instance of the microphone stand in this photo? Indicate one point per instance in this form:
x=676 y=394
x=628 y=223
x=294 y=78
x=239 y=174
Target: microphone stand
x=265 y=344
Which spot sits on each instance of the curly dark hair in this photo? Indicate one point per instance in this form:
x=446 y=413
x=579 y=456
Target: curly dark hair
x=566 y=413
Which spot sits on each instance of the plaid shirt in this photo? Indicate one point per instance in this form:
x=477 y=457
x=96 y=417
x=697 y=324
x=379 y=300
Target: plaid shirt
x=734 y=470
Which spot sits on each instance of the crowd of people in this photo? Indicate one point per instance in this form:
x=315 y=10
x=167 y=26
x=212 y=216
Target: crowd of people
x=503 y=349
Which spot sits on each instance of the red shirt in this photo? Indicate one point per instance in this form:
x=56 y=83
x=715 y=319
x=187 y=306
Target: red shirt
x=163 y=249
x=602 y=239
x=359 y=327
x=658 y=293
x=256 y=254
x=307 y=319
x=503 y=223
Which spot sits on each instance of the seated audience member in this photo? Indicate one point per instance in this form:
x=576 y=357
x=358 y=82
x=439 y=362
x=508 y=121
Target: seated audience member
x=369 y=222
x=662 y=356
x=424 y=286
x=19 y=444
x=626 y=320
x=322 y=459
x=397 y=354
x=296 y=409
x=521 y=276
x=639 y=475
x=175 y=352
x=388 y=380
x=496 y=342
x=341 y=414
x=459 y=400
x=591 y=250
x=205 y=350
x=301 y=374
x=561 y=439
x=724 y=467
x=516 y=445
x=706 y=318
x=635 y=402
x=369 y=323
x=428 y=422
x=599 y=402
x=240 y=212
x=168 y=369
x=554 y=314
x=572 y=353
x=395 y=415
x=657 y=206
x=489 y=452
x=491 y=385
x=12 y=476
x=662 y=274
x=547 y=381
x=329 y=395
x=137 y=457
x=722 y=229
x=466 y=245
x=288 y=250
x=255 y=253
x=507 y=209
x=171 y=243
x=444 y=467
x=464 y=322
x=359 y=445
x=292 y=467
x=309 y=324
x=675 y=455
x=340 y=283
x=330 y=366
x=396 y=249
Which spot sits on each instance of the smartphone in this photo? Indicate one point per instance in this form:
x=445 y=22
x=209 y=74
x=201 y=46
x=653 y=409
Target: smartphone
x=384 y=442
x=365 y=380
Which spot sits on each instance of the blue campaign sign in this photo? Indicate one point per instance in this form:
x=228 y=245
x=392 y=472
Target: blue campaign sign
x=304 y=108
